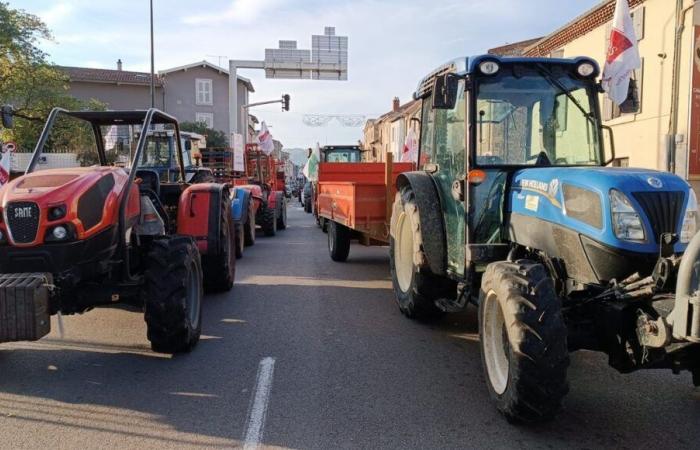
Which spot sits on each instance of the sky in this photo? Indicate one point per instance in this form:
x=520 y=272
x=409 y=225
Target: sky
x=392 y=44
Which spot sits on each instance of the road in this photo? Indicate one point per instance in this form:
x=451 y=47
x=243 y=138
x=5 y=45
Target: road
x=307 y=353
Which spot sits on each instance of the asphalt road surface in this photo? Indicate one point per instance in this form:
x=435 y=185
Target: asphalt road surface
x=308 y=353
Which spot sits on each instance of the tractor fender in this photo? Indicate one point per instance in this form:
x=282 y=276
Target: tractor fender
x=199 y=215
x=240 y=203
x=272 y=200
x=431 y=218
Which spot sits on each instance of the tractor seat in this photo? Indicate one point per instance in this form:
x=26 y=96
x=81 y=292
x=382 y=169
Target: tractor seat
x=150 y=180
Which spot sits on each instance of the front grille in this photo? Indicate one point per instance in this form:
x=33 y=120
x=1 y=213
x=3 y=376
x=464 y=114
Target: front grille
x=663 y=210
x=23 y=220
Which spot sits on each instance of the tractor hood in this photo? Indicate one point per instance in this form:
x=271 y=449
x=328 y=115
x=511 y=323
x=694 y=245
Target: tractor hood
x=578 y=199
x=82 y=200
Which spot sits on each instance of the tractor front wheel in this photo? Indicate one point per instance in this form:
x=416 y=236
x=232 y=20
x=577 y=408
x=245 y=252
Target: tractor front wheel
x=220 y=267
x=240 y=240
x=523 y=341
x=249 y=227
x=282 y=216
x=173 y=294
x=269 y=221
x=338 y=242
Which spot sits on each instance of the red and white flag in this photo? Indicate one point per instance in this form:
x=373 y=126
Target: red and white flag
x=623 y=54
x=265 y=138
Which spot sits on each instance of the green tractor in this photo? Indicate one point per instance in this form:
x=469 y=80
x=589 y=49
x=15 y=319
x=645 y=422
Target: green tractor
x=513 y=210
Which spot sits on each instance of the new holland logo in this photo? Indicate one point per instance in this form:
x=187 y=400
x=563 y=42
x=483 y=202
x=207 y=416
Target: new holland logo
x=655 y=182
x=23 y=213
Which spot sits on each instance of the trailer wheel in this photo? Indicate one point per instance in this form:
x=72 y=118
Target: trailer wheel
x=240 y=240
x=269 y=221
x=282 y=216
x=416 y=289
x=173 y=294
x=323 y=223
x=249 y=226
x=220 y=268
x=523 y=341
x=338 y=241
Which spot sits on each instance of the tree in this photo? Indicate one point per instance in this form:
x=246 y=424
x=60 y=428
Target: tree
x=30 y=83
x=215 y=138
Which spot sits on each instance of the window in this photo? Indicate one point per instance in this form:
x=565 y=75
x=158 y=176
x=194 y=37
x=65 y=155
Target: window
x=206 y=118
x=426 y=136
x=203 y=91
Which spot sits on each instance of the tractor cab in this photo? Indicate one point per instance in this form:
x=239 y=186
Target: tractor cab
x=159 y=155
x=341 y=153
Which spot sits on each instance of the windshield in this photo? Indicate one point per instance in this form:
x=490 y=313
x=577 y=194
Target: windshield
x=523 y=117
x=348 y=154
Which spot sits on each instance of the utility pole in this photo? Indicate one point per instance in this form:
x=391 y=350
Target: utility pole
x=153 y=83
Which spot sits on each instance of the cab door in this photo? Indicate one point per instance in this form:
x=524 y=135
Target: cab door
x=443 y=141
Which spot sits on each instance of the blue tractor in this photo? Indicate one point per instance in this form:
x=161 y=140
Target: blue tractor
x=514 y=210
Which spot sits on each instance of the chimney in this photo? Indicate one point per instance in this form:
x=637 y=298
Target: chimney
x=395 y=104
x=119 y=64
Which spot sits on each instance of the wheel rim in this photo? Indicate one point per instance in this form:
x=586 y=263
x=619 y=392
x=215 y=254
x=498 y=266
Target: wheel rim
x=403 y=252
x=193 y=296
x=495 y=344
x=331 y=236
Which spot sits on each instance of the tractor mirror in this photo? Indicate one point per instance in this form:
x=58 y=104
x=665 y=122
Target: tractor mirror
x=7 y=116
x=445 y=91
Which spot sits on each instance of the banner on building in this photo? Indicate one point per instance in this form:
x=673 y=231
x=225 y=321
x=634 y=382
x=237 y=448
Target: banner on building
x=238 y=153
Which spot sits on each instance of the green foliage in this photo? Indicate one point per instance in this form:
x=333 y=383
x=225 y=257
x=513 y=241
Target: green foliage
x=215 y=138
x=30 y=83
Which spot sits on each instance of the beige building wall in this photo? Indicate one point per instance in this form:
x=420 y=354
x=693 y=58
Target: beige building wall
x=641 y=137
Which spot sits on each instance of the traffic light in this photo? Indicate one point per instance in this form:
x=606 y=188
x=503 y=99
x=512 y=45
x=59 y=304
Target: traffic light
x=285 y=102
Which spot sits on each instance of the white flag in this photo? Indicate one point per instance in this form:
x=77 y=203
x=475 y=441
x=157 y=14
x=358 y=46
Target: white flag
x=265 y=139
x=623 y=54
x=5 y=164
x=310 y=170
x=410 y=147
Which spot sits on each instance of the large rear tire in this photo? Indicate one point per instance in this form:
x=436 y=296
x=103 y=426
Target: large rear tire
x=269 y=221
x=523 y=341
x=220 y=267
x=415 y=287
x=173 y=294
x=338 y=241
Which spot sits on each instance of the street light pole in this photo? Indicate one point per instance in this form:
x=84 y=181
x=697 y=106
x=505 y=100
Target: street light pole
x=153 y=85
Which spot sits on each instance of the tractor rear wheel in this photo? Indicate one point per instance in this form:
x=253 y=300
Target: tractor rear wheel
x=220 y=267
x=269 y=221
x=249 y=227
x=282 y=216
x=240 y=241
x=173 y=294
x=415 y=287
x=523 y=341
x=338 y=241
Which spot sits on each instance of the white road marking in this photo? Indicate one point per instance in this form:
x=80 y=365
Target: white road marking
x=258 y=409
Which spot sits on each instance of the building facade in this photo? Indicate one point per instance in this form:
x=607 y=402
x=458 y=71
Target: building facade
x=387 y=133
x=659 y=125
x=198 y=92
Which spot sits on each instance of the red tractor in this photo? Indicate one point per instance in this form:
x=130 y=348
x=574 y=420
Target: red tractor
x=265 y=181
x=91 y=223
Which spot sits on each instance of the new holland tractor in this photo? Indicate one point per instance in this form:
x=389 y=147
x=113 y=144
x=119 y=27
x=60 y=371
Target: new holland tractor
x=105 y=229
x=514 y=210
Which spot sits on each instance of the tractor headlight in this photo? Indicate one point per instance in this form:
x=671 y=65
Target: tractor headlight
x=690 y=218
x=627 y=223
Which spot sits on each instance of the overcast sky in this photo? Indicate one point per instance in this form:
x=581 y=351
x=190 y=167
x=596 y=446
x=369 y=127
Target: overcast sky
x=392 y=44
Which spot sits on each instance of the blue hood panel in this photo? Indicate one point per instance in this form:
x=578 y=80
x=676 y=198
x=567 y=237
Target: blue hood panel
x=537 y=192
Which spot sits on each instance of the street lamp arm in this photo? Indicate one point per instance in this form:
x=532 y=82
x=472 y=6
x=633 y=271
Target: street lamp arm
x=250 y=105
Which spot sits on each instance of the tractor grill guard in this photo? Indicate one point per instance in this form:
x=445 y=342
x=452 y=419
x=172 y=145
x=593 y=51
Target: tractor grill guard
x=22 y=221
x=663 y=209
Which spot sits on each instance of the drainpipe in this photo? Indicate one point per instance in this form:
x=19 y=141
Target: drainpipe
x=673 y=119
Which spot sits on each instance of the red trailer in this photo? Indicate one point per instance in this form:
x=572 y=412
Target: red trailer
x=356 y=200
